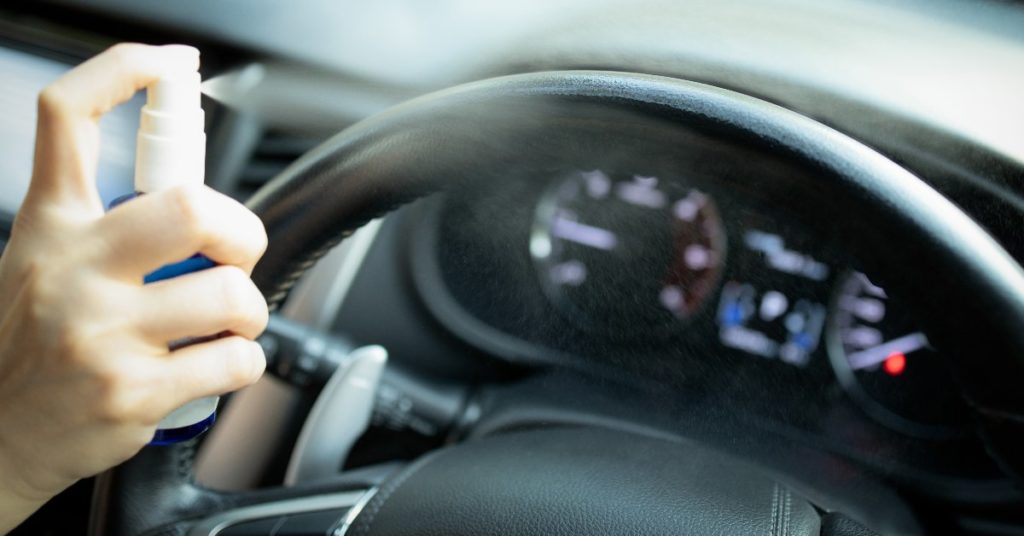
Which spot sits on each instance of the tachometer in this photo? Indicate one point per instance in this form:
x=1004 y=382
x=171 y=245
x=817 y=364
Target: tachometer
x=627 y=254
x=888 y=364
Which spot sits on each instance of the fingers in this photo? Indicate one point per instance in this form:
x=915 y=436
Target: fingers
x=94 y=87
x=203 y=303
x=67 y=134
x=168 y=226
x=212 y=368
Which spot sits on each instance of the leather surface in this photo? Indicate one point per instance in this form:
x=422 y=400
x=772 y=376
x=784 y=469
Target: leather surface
x=573 y=481
x=497 y=129
x=834 y=524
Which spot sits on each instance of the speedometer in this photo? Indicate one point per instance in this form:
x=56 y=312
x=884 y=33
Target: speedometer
x=888 y=364
x=627 y=254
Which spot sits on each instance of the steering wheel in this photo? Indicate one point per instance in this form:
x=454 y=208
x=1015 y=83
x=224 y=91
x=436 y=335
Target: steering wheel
x=587 y=480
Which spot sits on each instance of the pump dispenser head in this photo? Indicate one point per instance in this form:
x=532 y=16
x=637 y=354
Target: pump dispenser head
x=171 y=147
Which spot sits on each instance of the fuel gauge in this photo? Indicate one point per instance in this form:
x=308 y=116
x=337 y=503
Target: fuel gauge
x=888 y=364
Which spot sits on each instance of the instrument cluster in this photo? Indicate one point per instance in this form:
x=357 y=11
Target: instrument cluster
x=684 y=279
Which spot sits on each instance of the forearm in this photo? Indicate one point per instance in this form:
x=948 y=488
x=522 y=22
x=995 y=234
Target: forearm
x=19 y=497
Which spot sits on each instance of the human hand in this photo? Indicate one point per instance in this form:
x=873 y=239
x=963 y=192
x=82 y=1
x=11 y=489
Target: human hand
x=85 y=370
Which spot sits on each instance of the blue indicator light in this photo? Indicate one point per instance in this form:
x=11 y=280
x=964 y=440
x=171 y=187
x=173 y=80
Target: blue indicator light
x=732 y=315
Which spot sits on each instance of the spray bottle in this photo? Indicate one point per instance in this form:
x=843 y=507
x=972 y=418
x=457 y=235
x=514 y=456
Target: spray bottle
x=171 y=151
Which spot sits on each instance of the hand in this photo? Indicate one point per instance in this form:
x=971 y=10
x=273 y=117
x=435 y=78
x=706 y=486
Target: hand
x=85 y=370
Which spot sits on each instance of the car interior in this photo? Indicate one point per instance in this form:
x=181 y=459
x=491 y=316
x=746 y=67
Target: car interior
x=589 y=266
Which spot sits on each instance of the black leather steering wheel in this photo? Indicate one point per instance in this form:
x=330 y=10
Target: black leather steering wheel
x=481 y=131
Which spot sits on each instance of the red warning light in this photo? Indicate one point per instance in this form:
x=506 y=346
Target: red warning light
x=895 y=363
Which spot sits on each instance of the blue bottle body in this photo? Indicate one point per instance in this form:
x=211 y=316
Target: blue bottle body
x=195 y=263
x=170 y=436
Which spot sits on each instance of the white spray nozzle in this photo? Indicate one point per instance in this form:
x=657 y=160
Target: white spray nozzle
x=177 y=93
x=171 y=143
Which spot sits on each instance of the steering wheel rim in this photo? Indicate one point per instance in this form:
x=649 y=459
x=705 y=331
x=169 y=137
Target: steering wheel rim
x=441 y=140
x=347 y=181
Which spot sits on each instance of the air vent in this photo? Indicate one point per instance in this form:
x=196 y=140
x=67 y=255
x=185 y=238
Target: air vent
x=273 y=152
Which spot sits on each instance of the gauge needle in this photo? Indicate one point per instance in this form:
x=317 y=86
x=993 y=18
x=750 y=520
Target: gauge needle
x=876 y=354
x=584 y=234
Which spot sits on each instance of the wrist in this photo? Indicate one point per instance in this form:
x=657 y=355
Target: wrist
x=17 y=500
x=14 y=509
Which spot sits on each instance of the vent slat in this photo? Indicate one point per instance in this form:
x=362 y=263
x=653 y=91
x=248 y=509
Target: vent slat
x=273 y=153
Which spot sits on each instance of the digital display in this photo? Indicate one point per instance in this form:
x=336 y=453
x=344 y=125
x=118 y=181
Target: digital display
x=768 y=322
x=24 y=76
x=778 y=257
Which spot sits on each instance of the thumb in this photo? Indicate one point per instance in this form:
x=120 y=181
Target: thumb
x=67 y=130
